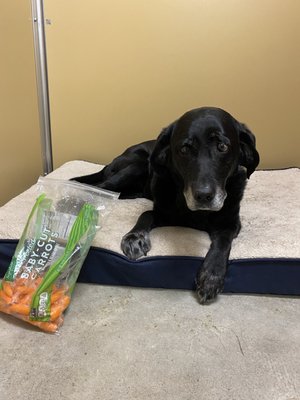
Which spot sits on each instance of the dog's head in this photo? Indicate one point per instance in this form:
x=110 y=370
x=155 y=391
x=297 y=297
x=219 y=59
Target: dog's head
x=201 y=150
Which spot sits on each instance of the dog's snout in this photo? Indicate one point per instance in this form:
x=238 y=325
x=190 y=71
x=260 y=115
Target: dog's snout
x=204 y=195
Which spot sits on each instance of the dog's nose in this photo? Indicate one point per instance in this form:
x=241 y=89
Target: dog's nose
x=204 y=195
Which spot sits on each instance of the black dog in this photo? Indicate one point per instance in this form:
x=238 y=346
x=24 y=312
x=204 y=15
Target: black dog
x=195 y=173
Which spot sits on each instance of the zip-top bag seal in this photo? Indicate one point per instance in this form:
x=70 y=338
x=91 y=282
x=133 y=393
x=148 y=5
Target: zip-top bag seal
x=42 y=274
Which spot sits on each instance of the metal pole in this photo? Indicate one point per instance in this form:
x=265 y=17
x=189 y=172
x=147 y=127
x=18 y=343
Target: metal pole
x=42 y=83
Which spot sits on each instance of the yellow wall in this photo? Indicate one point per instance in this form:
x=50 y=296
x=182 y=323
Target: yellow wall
x=121 y=70
x=20 y=160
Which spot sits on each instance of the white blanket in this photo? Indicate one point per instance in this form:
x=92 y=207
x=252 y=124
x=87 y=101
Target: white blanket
x=270 y=215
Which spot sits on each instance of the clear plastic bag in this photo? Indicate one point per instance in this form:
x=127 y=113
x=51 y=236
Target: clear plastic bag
x=41 y=277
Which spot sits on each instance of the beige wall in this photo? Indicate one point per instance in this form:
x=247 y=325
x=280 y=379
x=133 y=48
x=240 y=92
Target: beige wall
x=121 y=70
x=20 y=160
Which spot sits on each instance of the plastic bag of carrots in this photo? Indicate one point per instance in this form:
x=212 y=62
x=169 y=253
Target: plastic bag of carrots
x=41 y=277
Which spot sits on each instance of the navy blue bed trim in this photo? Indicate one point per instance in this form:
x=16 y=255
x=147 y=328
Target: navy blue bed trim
x=262 y=276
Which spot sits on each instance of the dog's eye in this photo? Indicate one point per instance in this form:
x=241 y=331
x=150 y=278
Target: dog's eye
x=184 y=149
x=222 y=147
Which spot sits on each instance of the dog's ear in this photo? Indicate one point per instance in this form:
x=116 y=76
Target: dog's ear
x=161 y=152
x=249 y=157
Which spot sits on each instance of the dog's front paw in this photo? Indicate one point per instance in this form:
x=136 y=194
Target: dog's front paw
x=135 y=244
x=208 y=285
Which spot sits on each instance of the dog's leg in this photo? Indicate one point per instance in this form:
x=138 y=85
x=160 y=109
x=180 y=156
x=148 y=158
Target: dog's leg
x=136 y=243
x=210 y=277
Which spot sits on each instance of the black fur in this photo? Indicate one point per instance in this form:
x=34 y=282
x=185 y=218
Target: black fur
x=195 y=173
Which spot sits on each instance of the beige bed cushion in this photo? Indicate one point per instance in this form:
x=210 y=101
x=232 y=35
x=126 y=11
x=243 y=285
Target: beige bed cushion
x=270 y=215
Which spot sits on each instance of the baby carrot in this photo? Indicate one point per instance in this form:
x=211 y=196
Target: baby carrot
x=64 y=301
x=22 y=290
x=4 y=308
x=7 y=288
x=20 y=281
x=4 y=297
x=57 y=294
x=20 y=308
x=56 y=311
x=59 y=307
x=51 y=327
x=25 y=299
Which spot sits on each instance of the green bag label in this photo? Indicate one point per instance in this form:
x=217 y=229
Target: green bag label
x=42 y=311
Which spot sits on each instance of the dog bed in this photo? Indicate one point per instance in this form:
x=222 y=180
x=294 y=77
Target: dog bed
x=265 y=258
